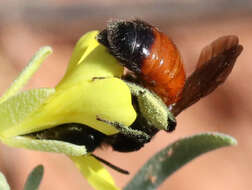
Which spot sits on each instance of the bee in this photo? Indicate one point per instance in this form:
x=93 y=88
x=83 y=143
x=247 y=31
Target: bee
x=157 y=85
x=149 y=53
x=157 y=65
x=156 y=62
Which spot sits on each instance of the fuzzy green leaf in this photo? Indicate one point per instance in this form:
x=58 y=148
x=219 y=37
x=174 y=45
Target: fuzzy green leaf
x=45 y=145
x=3 y=183
x=18 y=107
x=171 y=158
x=34 y=178
x=27 y=73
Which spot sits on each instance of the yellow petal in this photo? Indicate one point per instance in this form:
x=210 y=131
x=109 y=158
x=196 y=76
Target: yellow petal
x=89 y=60
x=27 y=73
x=97 y=176
x=109 y=99
x=83 y=47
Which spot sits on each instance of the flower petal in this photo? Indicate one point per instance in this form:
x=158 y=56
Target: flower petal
x=86 y=92
x=97 y=176
x=109 y=99
x=83 y=47
x=90 y=60
x=45 y=145
x=27 y=73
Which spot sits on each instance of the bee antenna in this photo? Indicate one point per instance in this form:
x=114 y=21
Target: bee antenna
x=116 y=168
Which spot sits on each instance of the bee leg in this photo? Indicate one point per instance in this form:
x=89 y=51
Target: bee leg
x=127 y=131
x=98 y=78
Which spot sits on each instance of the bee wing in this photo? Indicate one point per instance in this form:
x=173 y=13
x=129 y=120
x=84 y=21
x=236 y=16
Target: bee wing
x=215 y=63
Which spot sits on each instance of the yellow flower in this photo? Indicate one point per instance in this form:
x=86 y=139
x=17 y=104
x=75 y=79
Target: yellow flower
x=91 y=87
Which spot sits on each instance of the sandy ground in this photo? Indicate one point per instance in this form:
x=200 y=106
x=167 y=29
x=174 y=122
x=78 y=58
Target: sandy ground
x=227 y=110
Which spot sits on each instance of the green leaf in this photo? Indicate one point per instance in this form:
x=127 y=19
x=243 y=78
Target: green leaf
x=18 y=107
x=27 y=73
x=3 y=183
x=174 y=156
x=45 y=145
x=34 y=179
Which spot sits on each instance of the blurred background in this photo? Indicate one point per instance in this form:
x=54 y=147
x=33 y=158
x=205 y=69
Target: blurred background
x=27 y=25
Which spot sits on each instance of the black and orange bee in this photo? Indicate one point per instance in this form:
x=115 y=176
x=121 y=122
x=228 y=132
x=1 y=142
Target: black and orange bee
x=157 y=66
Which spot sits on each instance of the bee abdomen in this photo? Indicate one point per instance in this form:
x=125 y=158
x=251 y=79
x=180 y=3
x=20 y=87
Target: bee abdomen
x=162 y=70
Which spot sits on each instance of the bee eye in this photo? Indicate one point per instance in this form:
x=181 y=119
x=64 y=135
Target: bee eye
x=171 y=125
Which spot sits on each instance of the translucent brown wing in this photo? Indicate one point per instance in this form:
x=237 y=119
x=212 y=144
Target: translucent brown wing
x=215 y=63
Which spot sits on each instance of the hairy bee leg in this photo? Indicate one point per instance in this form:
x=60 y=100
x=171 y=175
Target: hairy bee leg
x=127 y=131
